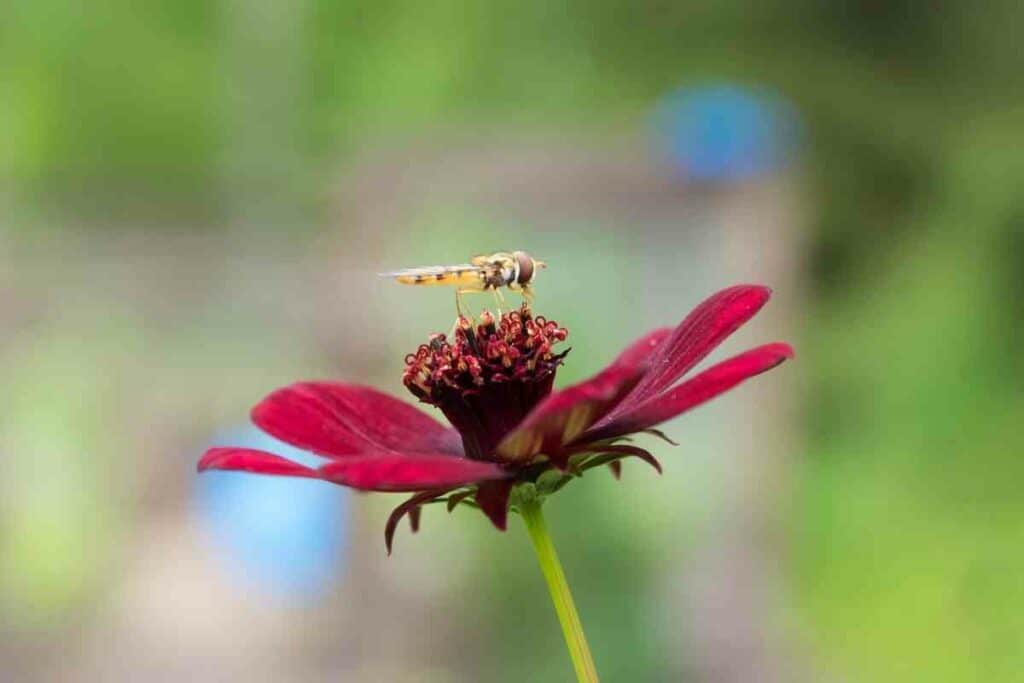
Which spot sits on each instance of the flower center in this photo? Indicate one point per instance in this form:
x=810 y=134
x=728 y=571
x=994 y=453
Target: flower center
x=489 y=376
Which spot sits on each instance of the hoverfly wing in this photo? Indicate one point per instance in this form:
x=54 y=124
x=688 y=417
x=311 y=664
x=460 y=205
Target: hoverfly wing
x=409 y=272
x=461 y=274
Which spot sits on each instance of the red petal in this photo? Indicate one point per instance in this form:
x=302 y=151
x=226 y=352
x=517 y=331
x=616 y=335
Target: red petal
x=641 y=350
x=407 y=507
x=249 y=460
x=566 y=414
x=492 y=497
x=337 y=420
x=694 y=338
x=693 y=392
x=390 y=472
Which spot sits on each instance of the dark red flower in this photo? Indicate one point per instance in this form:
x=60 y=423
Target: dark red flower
x=493 y=382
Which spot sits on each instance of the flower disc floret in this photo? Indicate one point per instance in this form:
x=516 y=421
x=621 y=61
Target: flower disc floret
x=489 y=376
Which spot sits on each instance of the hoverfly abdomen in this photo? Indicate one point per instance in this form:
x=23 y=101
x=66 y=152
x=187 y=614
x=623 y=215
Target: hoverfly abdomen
x=459 y=276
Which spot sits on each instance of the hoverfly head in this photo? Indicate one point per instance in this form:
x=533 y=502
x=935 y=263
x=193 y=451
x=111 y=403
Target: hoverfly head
x=527 y=267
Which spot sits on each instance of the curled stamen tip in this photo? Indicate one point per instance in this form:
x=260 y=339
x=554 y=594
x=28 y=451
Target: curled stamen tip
x=514 y=347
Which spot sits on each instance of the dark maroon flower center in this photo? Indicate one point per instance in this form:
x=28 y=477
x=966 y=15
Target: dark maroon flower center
x=489 y=376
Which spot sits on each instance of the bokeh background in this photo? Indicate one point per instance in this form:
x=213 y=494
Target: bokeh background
x=196 y=197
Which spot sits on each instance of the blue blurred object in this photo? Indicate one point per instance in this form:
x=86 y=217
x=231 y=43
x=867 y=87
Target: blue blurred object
x=726 y=133
x=285 y=536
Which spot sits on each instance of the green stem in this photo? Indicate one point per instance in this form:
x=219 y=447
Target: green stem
x=560 y=596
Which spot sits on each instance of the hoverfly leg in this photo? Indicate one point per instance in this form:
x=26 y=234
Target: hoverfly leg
x=459 y=315
x=499 y=301
x=460 y=304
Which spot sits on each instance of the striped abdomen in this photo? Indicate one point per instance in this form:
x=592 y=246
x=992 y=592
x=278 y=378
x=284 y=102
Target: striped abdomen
x=467 y=277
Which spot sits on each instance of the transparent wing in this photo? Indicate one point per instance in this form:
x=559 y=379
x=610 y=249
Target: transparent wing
x=431 y=271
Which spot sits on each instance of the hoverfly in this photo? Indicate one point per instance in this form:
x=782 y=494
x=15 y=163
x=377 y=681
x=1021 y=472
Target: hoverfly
x=516 y=270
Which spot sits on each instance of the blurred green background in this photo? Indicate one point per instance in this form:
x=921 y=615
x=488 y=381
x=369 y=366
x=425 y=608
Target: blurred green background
x=184 y=192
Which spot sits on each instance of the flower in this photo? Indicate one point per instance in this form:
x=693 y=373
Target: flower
x=493 y=382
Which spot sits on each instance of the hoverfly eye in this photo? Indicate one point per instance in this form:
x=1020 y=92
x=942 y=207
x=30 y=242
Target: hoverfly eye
x=525 y=267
